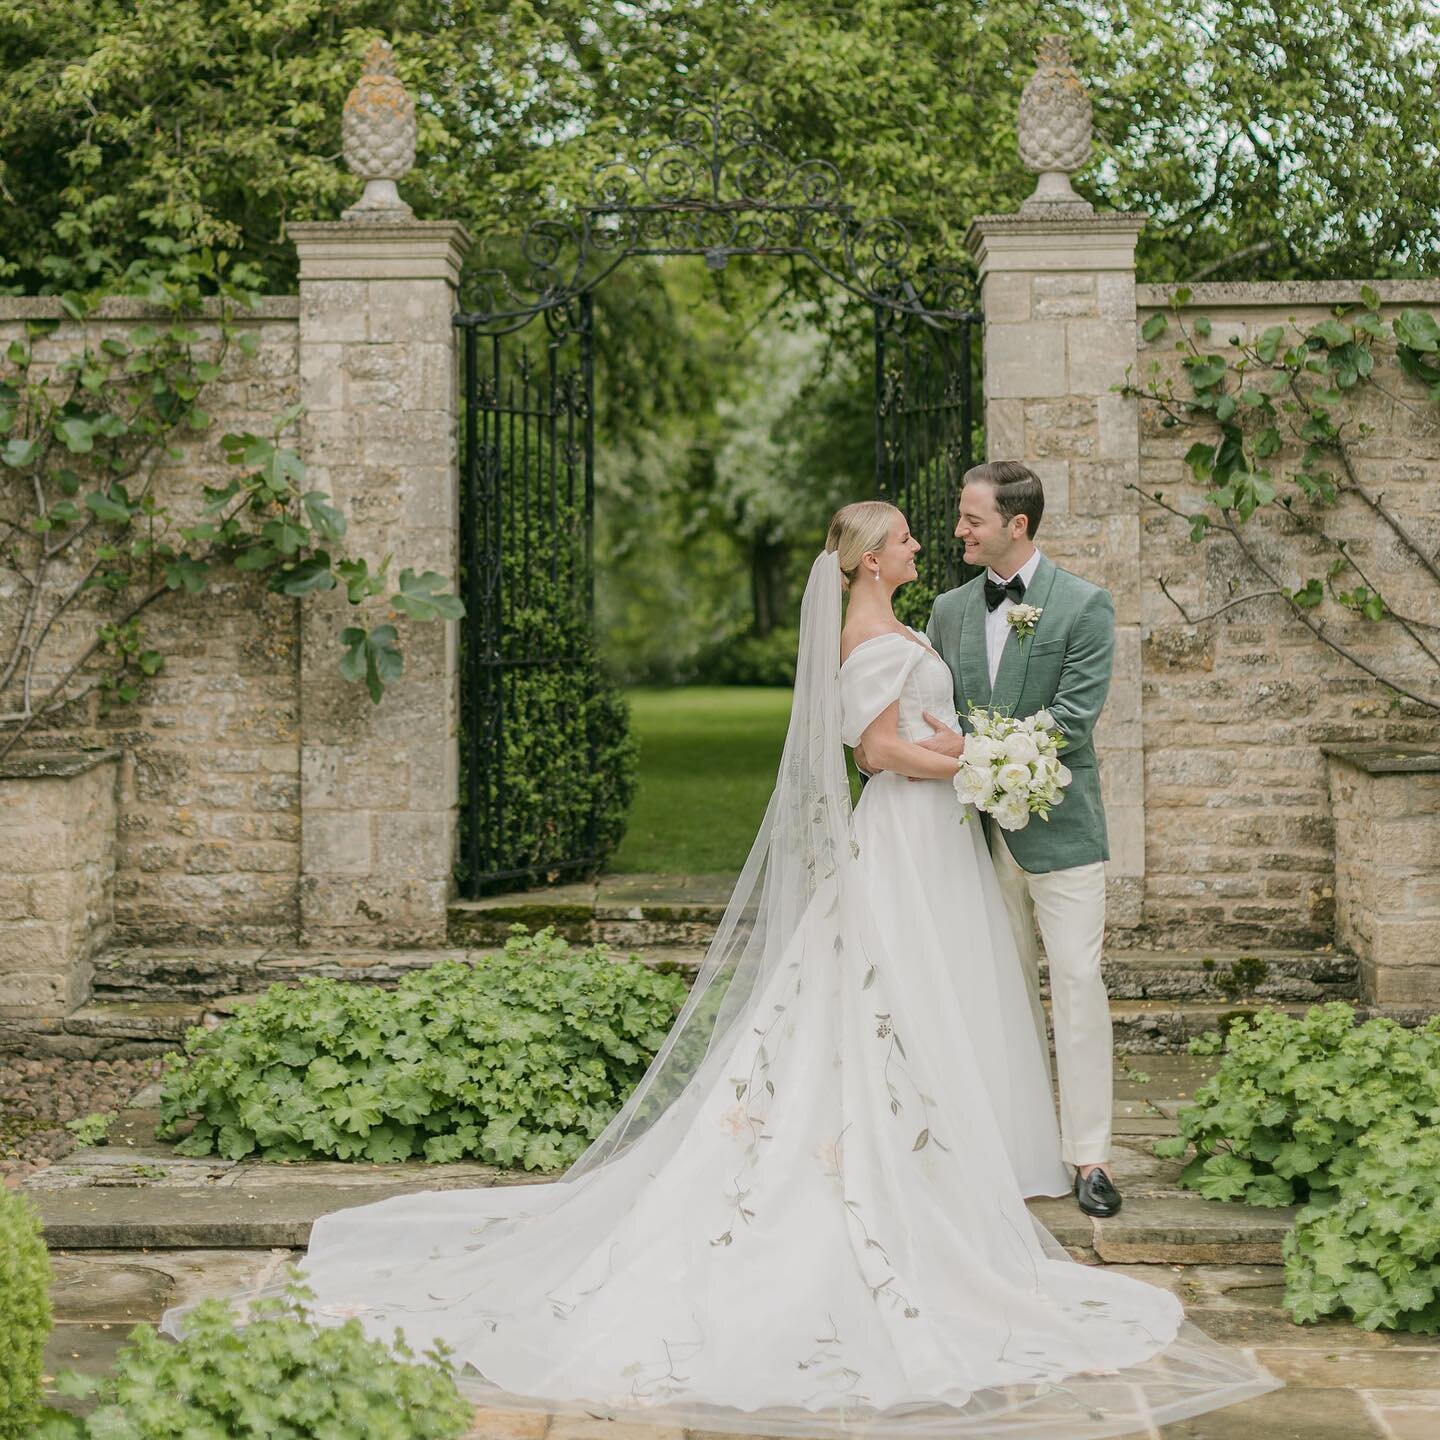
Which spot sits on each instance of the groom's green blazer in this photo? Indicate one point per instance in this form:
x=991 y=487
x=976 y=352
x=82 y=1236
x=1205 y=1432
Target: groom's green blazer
x=1064 y=667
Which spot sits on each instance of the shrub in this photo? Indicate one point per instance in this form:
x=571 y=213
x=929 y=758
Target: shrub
x=1280 y=1121
x=745 y=659
x=1346 y=1117
x=278 y=1375
x=520 y=1059
x=24 y=1314
x=1373 y=1249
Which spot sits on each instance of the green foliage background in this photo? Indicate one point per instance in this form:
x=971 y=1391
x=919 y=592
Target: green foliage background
x=1292 y=139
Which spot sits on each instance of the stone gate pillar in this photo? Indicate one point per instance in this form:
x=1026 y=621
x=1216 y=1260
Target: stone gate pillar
x=378 y=377
x=1057 y=288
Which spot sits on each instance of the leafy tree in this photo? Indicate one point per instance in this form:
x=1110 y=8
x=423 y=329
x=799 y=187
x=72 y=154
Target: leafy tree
x=1280 y=139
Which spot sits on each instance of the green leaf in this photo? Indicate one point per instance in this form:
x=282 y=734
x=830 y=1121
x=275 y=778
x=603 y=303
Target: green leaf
x=186 y=573
x=418 y=597
x=327 y=521
x=1333 y=332
x=371 y=656
x=1225 y=1177
x=1417 y=330
x=1202 y=327
x=256 y=557
x=1309 y=595
x=17 y=453
x=1270 y=342
x=106 y=508
x=1205 y=373
x=1369 y=297
x=360 y=584
x=310 y=574
x=75 y=433
x=1154 y=326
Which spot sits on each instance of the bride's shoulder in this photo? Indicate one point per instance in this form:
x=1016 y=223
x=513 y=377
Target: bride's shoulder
x=852 y=640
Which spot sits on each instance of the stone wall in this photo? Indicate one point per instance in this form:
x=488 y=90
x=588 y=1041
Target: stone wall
x=1386 y=804
x=57 y=878
x=208 y=847
x=1239 y=831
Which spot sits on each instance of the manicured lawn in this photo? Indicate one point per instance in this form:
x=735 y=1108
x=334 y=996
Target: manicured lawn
x=708 y=756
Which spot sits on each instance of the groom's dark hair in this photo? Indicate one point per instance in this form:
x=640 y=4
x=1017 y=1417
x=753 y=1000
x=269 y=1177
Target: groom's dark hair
x=1018 y=490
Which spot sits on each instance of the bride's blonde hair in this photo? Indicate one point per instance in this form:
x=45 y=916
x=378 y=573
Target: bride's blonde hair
x=855 y=528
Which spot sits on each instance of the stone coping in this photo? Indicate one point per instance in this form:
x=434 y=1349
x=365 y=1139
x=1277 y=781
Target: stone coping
x=1388 y=759
x=1236 y=294
x=54 y=764
x=124 y=307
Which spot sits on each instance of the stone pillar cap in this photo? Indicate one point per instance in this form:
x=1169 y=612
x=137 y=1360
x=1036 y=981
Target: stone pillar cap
x=370 y=250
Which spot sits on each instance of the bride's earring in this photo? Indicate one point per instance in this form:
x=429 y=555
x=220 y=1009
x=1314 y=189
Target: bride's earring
x=877 y=574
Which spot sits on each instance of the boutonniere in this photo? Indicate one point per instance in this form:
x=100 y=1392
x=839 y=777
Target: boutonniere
x=1021 y=619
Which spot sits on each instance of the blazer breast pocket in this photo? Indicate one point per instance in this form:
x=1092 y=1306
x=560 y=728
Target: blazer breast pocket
x=1045 y=647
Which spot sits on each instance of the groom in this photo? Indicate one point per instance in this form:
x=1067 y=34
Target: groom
x=1053 y=871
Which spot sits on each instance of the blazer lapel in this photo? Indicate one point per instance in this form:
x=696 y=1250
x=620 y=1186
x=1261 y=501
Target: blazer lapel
x=1015 y=658
x=974 y=664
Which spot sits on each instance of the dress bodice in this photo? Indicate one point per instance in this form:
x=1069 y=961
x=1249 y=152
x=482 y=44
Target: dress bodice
x=886 y=668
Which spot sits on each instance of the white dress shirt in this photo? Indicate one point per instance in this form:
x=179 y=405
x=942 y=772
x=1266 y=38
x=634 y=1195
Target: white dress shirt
x=995 y=626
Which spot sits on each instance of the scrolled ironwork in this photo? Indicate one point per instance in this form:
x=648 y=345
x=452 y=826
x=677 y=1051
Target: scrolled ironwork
x=718 y=187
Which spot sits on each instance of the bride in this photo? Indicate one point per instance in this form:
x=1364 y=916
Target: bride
x=808 y=1219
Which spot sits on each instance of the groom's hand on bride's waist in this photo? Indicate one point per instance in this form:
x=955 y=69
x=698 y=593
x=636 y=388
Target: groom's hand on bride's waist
x=944 y=741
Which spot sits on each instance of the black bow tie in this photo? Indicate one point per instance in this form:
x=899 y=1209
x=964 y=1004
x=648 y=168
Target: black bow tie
x=994 y=594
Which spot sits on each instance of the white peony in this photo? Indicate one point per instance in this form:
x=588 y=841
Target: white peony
x=972 y=784
x=1011 y=812
x=1012 y=777
x=1021 y=748
x=982 y=750
x=1043 y=720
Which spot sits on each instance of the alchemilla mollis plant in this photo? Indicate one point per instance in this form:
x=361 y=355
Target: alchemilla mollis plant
x=1343 y=1119
x=519 y=1060
x=279 y=1375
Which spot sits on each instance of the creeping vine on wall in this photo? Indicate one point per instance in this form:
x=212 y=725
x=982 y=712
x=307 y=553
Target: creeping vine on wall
x=82 y=527
x=1277 y=429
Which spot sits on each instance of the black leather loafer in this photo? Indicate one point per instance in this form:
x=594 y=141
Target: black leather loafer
x=1096 y=1193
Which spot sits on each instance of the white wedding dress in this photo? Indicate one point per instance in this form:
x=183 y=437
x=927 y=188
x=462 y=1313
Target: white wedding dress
x=809 y=1218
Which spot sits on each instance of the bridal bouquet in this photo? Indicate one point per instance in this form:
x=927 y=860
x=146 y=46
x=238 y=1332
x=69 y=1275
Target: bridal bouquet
x=1011 y=768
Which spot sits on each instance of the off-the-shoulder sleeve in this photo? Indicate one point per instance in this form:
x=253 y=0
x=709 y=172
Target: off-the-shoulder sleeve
x=872 y=678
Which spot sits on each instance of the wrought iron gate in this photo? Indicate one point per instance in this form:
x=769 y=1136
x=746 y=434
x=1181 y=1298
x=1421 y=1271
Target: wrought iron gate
x=715 y=187
x=924 y=439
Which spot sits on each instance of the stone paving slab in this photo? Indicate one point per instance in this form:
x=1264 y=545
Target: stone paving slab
x=1342 y=1383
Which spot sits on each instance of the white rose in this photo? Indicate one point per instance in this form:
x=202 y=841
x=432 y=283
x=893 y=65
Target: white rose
x=1044 y=720
x=1013 y=778
x=1021 y=749
x=1064 y=777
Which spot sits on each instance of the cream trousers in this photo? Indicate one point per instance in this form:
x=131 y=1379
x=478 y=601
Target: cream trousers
x=1070 y=908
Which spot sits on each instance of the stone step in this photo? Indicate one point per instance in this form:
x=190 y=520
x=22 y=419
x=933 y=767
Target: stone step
x=199 y=973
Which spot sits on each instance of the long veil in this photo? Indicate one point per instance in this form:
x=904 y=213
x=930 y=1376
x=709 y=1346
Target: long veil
x=800 y=852
x=534 y=1280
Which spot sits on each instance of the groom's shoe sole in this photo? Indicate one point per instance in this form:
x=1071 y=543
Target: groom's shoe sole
x=1096 y=1195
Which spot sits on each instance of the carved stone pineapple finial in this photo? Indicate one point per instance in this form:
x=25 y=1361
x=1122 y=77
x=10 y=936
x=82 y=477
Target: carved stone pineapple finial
x=1055 y=126
x=378 y=131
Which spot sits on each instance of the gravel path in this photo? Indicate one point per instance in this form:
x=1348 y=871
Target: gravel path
x=37 y=1097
